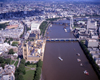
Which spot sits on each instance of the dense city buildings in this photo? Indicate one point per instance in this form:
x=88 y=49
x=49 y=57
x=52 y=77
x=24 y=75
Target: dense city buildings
x=7 y=73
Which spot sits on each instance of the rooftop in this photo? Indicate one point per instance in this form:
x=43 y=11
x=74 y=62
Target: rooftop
x=12 y=26
x=32 y=35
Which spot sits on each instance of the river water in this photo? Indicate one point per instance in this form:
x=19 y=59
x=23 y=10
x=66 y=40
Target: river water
x=69 y=68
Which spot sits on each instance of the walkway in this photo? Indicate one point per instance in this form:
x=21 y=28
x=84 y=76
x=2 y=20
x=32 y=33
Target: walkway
x=18 y=62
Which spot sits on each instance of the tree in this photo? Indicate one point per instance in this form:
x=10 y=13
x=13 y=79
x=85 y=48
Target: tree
x=11 y=51
x=15 y=44
x=7 y=61
x=27 y=63
x=2 y=65
x=39 y=64
x=11 y=39
x=20 y=77
x=22 y=68
x=1 y=60
x=16 y=73
x=22 y=61
x=32 y=63
x=37 y=73
x=24 y=72
x=37 y=78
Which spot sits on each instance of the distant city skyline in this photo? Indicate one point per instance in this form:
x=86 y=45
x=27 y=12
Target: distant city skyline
x=52 y=0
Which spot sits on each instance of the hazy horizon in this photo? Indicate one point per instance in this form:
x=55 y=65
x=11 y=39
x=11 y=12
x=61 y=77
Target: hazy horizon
x=54 y=0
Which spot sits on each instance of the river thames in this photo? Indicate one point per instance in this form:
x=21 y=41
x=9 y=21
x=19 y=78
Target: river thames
x=69 y=68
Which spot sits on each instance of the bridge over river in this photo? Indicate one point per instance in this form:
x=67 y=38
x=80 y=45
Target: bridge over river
x=62 y=39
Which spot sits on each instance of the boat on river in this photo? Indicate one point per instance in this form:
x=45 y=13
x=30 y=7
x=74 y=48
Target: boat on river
x=78 y=54
x=79 y=60
x=60 y=58
x=65 y=30
x=86 y=72
x=81 y=64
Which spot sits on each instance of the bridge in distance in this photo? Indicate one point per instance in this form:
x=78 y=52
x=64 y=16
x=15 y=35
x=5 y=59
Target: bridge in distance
x=62 y=39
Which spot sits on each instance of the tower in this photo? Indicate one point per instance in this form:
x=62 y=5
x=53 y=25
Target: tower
x=71 y=22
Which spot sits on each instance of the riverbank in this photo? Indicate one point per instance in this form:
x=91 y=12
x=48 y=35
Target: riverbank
x=38 y=70
x=43 y=49
x=91 y=60
x=89 y=57
x=43 y=27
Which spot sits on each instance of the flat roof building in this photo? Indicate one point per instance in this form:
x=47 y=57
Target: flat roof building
x=92 y=43
x=35 y=25
x=91 y=24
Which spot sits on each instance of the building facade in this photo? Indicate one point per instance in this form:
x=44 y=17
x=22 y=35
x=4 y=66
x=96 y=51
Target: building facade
x=34 y=50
